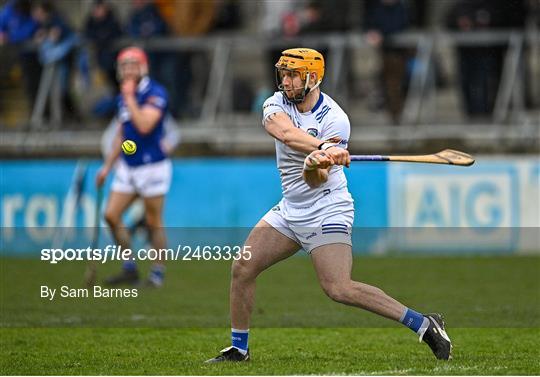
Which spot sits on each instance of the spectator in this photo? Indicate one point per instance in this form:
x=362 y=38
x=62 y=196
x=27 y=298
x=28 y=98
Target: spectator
x=57 y=44
x=193 y=17
x=227 y=15
x=102 y=28
x=16 y=27
x=317 y=16
x=272 y=13
x=480 y=67
x=384 y=18
x=146 y=21
x=16 y=23
x=190 y=18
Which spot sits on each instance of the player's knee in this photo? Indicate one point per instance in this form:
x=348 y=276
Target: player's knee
x=242 y=270
x=153 y=220
x=112 y=219
x=338 y=291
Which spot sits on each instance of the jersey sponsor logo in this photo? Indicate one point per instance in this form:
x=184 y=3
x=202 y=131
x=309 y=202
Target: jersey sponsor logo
x=276 y=208
x=270 y=105
x=313 y=132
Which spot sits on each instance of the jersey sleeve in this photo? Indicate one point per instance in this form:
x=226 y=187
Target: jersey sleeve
x=273 y=105
x=338 y=131
x=157 y=97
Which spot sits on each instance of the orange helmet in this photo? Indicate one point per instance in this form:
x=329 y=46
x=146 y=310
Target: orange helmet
x=133 y=54
x=302 y=60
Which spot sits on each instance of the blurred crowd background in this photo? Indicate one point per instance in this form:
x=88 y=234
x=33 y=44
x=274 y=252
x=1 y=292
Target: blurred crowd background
x=402 y=69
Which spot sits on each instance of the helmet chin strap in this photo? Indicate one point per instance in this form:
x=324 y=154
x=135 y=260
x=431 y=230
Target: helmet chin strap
x=314 y=86
x=306 y=91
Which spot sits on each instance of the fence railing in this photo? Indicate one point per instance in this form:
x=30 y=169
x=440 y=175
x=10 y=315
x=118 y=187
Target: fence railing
x=509 y=100
x=511 y=128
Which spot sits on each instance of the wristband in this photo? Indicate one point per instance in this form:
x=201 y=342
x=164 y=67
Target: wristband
x=324 y=146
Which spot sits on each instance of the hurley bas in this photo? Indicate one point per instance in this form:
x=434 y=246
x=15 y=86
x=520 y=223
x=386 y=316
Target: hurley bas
x=96 y=292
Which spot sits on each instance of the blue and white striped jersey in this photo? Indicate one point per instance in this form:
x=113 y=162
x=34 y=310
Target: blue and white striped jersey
x=327 y=122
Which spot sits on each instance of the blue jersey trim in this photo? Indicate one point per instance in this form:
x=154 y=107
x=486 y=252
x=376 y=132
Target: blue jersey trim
x=318 y=104
x=322 y=113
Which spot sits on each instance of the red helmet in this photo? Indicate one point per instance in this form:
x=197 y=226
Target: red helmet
x=133 y=54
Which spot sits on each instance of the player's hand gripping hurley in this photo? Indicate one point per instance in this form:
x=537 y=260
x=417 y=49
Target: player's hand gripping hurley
x=322 y=159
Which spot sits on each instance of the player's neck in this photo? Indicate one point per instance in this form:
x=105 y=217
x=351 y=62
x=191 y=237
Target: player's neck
x=309 y=102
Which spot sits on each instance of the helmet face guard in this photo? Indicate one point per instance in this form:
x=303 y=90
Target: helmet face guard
x=304 y=75
x=303 y=62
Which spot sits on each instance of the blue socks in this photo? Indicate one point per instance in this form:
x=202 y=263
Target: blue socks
x=157 y=274
x=130 y=266
x=414 y=320
x=240 y=340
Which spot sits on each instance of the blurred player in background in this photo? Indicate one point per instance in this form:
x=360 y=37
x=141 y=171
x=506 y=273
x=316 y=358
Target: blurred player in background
x=142 y=108
x=316 y=212
x=170 y=140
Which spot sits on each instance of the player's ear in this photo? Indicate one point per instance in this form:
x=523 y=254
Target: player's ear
x=313 y=78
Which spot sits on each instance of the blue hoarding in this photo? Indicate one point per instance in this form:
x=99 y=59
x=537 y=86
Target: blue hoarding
x=231 y=193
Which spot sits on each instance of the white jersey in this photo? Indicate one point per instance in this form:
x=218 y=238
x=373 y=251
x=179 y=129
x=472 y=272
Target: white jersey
x=327 y=122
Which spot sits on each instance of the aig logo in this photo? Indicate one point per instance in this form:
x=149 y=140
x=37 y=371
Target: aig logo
x=480 y=199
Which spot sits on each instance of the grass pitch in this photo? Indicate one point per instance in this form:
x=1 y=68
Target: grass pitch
x=491 y=305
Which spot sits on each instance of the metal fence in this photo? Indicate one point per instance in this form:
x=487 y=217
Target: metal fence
x=219 y=125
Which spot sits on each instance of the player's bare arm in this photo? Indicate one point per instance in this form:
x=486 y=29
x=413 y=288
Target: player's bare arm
x=280 y=126
x=145 y=118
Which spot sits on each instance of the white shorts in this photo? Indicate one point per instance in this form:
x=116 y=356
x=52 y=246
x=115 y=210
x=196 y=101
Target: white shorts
x=146 y=180
x=329 y=220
